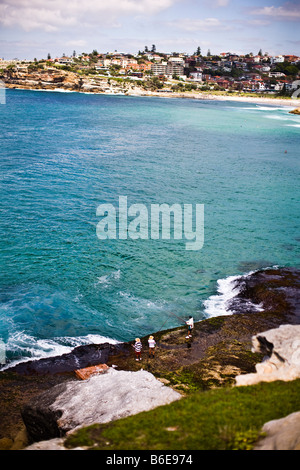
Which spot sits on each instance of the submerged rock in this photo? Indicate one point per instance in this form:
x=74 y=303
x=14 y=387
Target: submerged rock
x=281 y=347
x=100 y=399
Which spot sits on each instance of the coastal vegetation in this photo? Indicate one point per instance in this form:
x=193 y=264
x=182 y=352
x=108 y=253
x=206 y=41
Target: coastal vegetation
x=220 y=419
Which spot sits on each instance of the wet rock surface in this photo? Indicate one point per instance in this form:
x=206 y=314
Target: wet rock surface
x=78 y=358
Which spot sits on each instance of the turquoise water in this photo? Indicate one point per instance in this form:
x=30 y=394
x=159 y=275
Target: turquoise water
x=64 y=154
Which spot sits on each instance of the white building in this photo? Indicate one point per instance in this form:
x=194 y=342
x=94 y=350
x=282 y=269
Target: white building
x=196 y=76
x=277 y=59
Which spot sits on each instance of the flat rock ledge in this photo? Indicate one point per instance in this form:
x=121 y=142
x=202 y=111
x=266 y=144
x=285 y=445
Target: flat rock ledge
x=281 y=347
x=100 y=399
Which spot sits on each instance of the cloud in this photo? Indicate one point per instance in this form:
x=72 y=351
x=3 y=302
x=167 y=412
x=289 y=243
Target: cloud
x=288 y=11
x=56 y=14
x=221 y=3
x=208 y=24
x=76 y=43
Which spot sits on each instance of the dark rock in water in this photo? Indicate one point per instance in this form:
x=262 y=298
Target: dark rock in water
x=78 y=358
x=270 y=290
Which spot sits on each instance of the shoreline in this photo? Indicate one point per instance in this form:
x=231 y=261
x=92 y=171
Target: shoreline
x=216 y=97
x=137 y=92
x=215 y=305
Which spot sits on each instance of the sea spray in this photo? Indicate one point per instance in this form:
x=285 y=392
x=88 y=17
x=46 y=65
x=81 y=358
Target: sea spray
x=223 y=302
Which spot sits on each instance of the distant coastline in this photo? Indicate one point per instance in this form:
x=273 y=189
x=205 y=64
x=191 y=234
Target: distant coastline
x=228 y=97
x=164 y=94
x=52 y=79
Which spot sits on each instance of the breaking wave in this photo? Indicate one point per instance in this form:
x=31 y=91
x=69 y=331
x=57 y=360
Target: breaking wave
x=227 y=290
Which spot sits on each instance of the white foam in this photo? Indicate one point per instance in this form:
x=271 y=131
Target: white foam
x=217 y=305
x=228 y=288
x=28 y=348
x=143 y=303
x=270 y=108
x=280 y=118
x=105 y=280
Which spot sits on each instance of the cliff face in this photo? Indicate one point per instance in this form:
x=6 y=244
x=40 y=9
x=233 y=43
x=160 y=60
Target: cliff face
x=51 y=78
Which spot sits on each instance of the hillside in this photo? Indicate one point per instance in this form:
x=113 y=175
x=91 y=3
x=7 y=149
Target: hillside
x=50 y=78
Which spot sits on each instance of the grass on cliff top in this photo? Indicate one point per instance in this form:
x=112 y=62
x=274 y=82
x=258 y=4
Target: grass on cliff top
x=220 y=419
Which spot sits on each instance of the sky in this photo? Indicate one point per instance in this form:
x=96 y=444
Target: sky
x=35 y=28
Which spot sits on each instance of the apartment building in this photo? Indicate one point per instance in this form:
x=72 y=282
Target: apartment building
x=169 y=68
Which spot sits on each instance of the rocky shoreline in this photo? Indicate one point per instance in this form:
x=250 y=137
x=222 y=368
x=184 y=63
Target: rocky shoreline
x=53 y=79
x=220 y=350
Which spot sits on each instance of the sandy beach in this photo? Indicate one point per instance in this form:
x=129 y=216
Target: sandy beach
x=134 y=90
x=226 y=97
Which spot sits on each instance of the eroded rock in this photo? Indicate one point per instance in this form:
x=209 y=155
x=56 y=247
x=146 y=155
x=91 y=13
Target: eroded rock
x=281 y=347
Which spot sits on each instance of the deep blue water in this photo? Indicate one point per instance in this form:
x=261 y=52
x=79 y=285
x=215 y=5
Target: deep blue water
x=64 y=154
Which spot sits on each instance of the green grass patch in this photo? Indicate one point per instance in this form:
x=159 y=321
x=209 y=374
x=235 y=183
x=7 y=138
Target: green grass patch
x=221 y=419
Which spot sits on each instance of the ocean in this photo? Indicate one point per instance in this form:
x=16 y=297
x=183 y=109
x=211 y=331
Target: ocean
x=65 y=154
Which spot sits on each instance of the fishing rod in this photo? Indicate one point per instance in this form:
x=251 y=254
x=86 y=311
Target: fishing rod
x=179 y=318
x=167 y=320
x=163 y=325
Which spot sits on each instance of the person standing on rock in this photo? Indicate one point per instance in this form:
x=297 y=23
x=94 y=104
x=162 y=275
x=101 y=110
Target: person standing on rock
x=138 y=349
x=152 y=344
x=190 y=325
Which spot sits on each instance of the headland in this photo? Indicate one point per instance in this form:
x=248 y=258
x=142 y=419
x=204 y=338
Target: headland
x=56 y=80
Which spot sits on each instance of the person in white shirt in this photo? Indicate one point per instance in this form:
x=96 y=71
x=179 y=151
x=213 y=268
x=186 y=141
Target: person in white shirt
x=190 y=325
x=152 y=344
